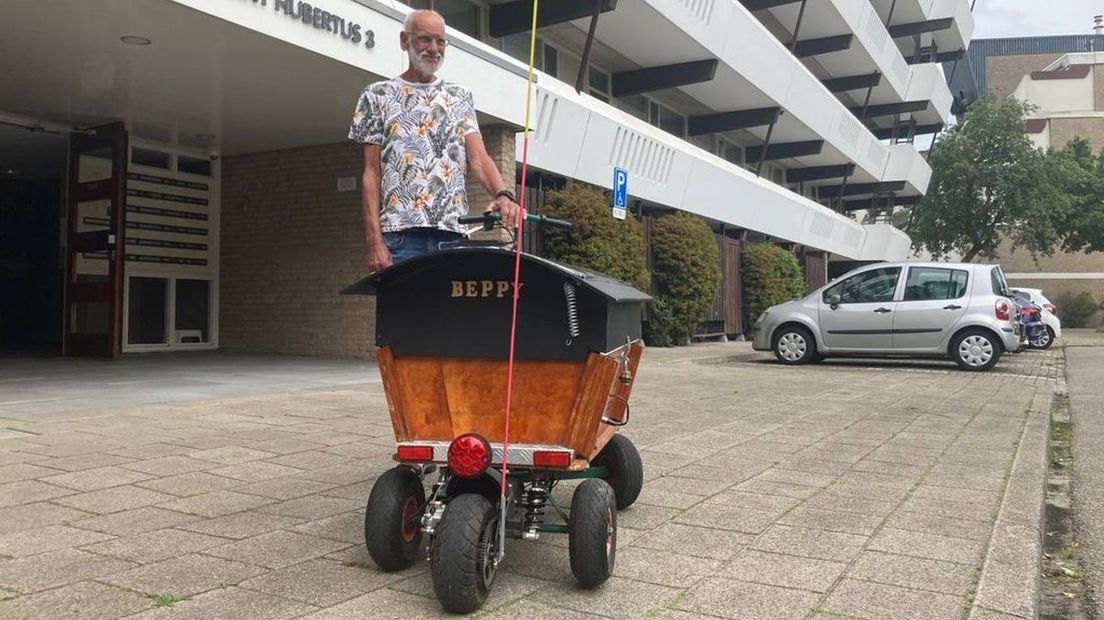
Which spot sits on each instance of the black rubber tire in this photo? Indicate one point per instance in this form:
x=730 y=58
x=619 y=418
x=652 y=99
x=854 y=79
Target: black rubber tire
x=1049 y=341
x=810 y=353
x=624 y=469
x=592 y=532
x=988 y=337
x=392 y=519
x=466 y=539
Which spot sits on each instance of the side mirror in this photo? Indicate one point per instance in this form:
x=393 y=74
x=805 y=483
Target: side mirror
x=834 y=300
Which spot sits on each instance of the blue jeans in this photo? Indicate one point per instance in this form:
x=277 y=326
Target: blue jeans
x=414 y=242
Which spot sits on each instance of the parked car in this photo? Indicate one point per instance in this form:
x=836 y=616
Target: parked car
x=955 y=310
x=1034 y=330
x=1049 y=316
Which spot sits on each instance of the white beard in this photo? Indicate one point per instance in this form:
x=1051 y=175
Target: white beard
x=420 y=65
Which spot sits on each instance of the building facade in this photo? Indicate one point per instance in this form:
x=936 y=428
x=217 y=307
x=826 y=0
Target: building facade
x=177 y=172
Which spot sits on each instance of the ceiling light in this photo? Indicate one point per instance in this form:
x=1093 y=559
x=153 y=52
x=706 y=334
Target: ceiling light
x=9 y=172
x=133 y=40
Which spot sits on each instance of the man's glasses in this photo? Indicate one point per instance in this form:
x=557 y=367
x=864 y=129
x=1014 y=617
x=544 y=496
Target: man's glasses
x=424 y=40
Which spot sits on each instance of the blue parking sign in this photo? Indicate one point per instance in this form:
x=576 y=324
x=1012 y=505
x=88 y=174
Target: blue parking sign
x=620 y=192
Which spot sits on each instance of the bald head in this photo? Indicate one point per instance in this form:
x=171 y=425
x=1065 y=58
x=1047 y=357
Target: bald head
x=421 y=19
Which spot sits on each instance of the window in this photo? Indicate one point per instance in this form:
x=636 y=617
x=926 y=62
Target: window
x=148 y=310
x=551 y=60
x=730 y=152
x=874 y=286
x=599 y=82
x=193 y=165
x=1000 y=285
x=934 y=283
x=667 y=119
x=637 y=105
x=149 y=157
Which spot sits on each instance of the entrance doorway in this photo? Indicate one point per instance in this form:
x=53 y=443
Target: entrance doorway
x=32 y=268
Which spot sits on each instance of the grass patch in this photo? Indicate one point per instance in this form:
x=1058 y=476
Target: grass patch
x=166 y=600
x=7 y=595
x=226 y=585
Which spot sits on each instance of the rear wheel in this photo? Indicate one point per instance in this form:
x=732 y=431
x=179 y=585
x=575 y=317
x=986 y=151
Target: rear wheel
x=1044 y=339
x=463 y=553
x=794 y=345
x=976 y=350
x=392 y=519
x=624 y=469
x=592 y=532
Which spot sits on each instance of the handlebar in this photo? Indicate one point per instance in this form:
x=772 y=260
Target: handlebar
x=490 y=218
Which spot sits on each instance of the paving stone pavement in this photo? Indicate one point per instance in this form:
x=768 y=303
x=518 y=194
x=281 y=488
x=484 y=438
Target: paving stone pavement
x=852 y=488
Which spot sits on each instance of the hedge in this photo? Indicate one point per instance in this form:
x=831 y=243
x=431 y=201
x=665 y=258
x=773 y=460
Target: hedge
x=771 y=275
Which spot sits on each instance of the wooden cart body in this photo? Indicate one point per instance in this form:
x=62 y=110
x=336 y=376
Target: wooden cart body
x=443 y=336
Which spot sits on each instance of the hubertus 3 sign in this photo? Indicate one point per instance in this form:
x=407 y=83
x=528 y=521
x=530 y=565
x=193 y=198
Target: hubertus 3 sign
x=322 y=19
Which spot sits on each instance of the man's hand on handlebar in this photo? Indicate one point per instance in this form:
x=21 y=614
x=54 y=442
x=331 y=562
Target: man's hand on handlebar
x=508 y=208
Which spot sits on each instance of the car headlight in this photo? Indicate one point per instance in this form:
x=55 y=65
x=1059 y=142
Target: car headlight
x=763 y=316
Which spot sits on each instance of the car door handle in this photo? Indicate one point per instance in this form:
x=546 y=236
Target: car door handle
x=882 y=310
x=952 y=307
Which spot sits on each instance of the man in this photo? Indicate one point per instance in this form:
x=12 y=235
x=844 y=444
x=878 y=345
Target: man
x=420 y=134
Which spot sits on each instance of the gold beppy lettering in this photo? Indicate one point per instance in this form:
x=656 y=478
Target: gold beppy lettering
x=457 y=288
x=472 y=288
x=486 y=287
x=503 y=286
x=481 y=288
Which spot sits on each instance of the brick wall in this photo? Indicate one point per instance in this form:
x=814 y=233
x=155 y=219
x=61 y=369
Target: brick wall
x=1005 y=72
x=291 y=242
x=1098 y=88
x=1062 y=262
x=1063 y=130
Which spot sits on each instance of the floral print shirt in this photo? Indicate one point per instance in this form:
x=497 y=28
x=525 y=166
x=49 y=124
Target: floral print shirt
x=420 y=129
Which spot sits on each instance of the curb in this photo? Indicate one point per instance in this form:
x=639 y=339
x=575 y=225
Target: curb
x=1009 y=585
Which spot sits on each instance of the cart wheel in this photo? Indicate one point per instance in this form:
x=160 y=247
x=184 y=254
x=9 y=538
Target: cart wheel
x=592 y=532
x=624 y=469
x=463 y=553
x=392 y=520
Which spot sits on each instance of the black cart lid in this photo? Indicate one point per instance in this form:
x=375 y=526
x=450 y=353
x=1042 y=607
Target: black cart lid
x=611 y=288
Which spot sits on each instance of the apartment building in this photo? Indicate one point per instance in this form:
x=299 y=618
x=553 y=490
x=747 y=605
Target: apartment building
x=176 y=174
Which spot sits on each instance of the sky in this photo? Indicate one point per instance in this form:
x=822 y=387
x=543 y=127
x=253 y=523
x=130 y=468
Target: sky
x=1022 y=18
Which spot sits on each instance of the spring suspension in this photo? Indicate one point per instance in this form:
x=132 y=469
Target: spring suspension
x=536 y=499
x=572 y=312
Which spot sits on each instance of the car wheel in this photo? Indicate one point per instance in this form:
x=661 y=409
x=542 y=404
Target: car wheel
x=1043 y=340
x=794 y=345
x=975 y=349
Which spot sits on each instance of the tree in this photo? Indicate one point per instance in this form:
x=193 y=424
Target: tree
x=596 y=239
x=1081 y=178
x=990 y=183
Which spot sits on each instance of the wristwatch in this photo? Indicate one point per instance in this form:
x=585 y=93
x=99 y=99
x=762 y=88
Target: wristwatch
x=507 y=193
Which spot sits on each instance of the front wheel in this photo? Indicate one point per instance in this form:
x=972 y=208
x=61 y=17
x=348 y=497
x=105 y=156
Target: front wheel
x=592 y=532
x=462 y=557
x=976 y=350
x=794 y=345
x=392 y=520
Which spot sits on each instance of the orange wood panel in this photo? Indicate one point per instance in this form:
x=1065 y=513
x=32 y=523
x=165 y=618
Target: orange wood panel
x=386 y=361
x=601 y=372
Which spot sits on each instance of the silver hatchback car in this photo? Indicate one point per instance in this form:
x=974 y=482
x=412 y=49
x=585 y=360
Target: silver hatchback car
x=956 y=310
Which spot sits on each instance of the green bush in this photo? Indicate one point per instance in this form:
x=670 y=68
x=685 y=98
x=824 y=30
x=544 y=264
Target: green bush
x=596 y=240
x=687 y=276
x=1076 y=310
x=771 y=276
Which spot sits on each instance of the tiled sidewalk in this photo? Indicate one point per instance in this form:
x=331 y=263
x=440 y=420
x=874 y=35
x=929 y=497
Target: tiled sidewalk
x=851 y=489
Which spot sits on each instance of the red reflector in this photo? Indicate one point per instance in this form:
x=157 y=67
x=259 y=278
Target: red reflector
x=469 y=455
x=415 y=453
x=551 y=459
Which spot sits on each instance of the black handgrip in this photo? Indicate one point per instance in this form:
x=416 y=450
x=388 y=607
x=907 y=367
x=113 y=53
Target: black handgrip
x=489 y=218
x=882 y=310
x=952 y=307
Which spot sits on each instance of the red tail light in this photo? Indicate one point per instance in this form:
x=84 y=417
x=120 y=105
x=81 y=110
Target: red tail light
x=1002 y=310
x=469 y=455
x=543 y=458
x=414 y=453
x=1030 y=311
x=1052 y=308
